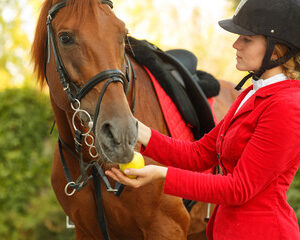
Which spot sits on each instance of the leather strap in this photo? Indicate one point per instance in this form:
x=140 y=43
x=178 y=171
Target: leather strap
x=101 y=217
x=100 y=77
x=69 y=87
x=97 y=110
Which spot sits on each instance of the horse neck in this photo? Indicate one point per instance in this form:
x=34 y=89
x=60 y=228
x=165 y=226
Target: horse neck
x=147 y=107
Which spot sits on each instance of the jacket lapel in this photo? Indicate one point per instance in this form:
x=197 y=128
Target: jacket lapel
x=249 y=105
x=231 y=113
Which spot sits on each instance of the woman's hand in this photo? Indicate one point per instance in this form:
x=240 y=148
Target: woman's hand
x=144 y=133
x=144 y=175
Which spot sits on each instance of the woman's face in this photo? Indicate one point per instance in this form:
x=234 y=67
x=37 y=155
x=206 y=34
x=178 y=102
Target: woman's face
x=250 y=52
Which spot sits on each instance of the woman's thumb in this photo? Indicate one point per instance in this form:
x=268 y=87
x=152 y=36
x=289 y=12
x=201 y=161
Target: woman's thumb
x=131 y=171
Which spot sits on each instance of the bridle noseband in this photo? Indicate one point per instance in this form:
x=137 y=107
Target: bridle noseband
x=75 y=95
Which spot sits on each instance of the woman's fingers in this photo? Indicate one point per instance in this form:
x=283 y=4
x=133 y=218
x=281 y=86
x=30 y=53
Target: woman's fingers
x=112 y=174
x=143 y=175
x=117 y=175
x=134 y=172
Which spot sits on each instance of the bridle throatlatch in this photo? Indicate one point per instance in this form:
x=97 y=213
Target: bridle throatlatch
x=75 y=95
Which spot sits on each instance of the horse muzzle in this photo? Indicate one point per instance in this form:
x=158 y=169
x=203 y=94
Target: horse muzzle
x=116 y=138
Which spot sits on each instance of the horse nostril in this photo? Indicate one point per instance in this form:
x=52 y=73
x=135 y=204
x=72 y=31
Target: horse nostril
x=132 y=140
x=107 y=132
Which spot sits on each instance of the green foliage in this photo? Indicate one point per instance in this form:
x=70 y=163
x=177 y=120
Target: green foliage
x=28 y=207
x=14 y=44
x=235 y=3
x=293 y=195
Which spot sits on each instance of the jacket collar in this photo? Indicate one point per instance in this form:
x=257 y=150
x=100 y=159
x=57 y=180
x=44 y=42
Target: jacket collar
x=260 y=93
x=268 y=91
x=276 y=87
x=257 y=84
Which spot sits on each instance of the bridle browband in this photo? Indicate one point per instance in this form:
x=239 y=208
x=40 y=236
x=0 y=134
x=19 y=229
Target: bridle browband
x=75 y=95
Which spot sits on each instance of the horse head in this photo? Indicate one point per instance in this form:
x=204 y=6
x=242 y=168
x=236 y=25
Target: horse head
x=87 y=74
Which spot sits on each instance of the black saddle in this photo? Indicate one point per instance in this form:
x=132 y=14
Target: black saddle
x=176 y=72
x=208 y=83
x=187 y=58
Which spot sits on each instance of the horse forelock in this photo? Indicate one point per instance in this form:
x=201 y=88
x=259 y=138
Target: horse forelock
x=81 y=9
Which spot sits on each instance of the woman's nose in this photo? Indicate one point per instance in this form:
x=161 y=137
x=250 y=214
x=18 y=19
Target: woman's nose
x=236 y=45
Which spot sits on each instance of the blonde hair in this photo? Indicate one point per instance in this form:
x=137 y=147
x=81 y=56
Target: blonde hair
x=292 y=67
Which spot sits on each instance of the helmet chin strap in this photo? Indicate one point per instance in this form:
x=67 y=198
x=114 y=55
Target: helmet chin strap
x=267 y=63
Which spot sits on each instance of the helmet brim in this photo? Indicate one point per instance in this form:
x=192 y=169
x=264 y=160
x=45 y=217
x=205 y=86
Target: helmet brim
x=230 y=26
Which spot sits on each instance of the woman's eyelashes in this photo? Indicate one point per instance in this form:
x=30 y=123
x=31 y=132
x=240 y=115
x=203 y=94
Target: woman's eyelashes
x=246 y=39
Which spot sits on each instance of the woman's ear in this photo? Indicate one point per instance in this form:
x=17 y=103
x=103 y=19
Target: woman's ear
x=274 y=56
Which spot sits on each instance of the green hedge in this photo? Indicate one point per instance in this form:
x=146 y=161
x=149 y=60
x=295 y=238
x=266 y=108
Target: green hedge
x=293 y=195
x=29 y=209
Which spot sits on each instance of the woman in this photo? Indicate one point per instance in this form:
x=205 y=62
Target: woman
x=257 y=144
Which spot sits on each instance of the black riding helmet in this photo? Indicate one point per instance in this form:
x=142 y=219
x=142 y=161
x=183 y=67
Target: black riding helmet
x=277 y=20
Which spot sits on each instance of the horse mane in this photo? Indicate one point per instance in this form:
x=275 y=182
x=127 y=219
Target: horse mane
x=79 y=8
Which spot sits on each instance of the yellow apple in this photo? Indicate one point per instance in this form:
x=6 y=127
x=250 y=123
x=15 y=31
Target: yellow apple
x=137 y=162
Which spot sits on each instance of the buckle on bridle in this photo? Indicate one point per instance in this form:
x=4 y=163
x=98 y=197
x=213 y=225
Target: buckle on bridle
x=67 y=87
x=49 y=19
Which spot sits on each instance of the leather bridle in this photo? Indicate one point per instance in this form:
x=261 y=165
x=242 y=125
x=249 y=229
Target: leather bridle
x=75 y=95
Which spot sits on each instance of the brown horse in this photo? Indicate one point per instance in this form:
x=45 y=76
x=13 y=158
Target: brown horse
x=84 y=42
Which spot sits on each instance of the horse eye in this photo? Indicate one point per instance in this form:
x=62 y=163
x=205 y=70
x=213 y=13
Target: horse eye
x=65 y=39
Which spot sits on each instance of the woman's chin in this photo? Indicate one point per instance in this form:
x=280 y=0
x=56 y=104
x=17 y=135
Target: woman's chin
x=241 y=68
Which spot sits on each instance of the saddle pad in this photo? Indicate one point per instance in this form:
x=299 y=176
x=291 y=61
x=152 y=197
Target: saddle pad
x=177 y=127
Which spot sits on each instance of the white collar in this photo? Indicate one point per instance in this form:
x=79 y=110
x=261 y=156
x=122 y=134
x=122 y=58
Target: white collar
x=264 y=82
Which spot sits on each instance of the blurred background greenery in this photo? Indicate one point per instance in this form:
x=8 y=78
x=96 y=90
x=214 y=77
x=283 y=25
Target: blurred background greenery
x=28 y=207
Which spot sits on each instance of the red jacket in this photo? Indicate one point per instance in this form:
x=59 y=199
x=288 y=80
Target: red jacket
x=259 y=152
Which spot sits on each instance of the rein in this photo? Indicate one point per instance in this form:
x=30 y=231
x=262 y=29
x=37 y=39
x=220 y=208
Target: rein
x=75 y=95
